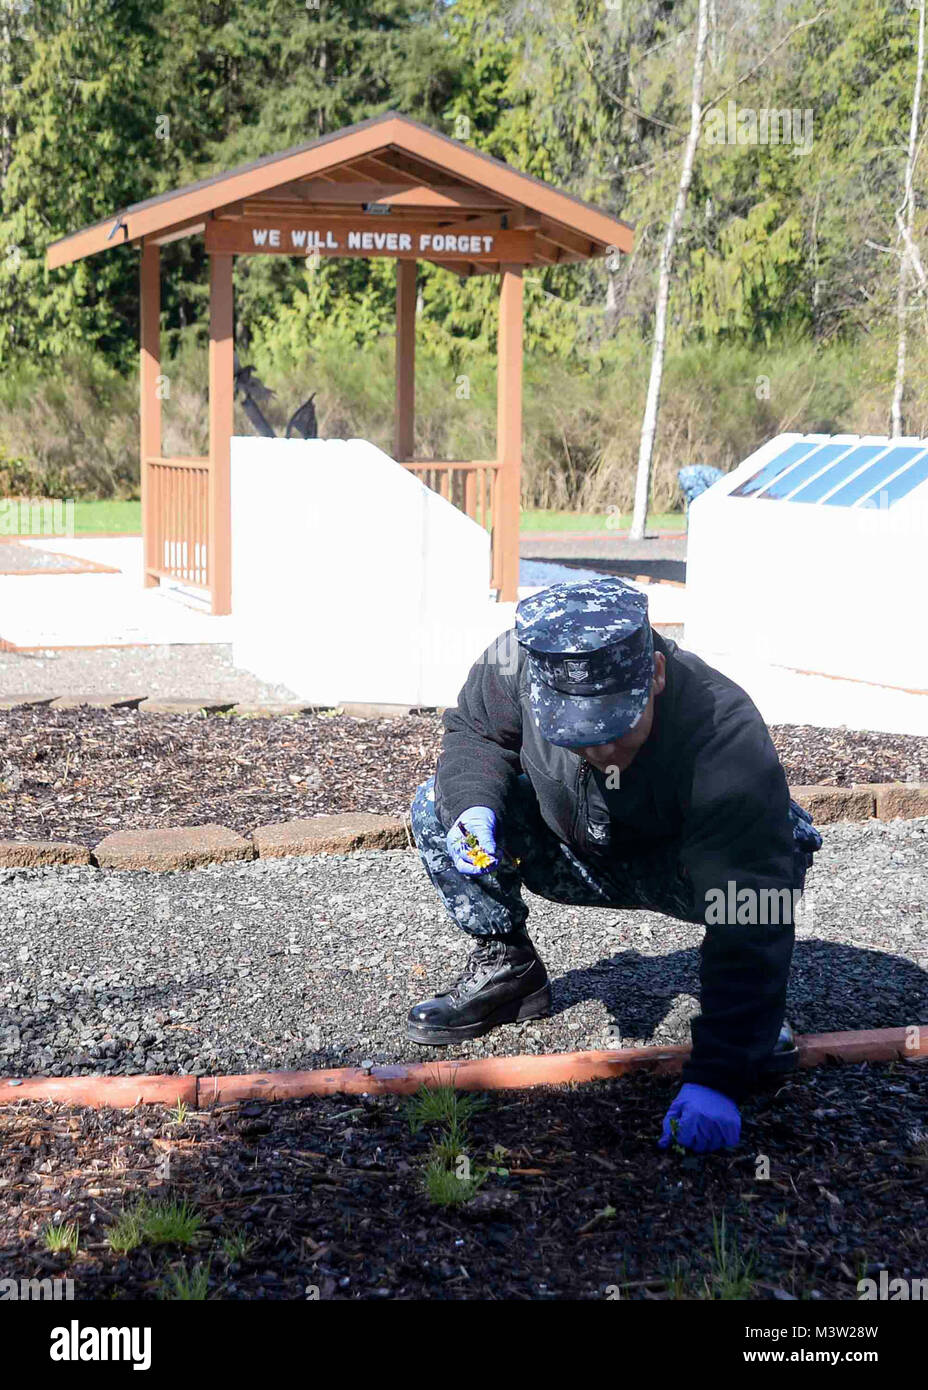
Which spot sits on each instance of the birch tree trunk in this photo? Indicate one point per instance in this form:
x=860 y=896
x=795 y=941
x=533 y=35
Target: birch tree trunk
x=649 y=423
x=905 y=218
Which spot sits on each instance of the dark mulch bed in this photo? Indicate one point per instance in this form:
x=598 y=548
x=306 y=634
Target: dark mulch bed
x=78 y=774
x=329 y=1194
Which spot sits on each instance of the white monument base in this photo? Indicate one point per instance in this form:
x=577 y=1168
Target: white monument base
x=351 y=580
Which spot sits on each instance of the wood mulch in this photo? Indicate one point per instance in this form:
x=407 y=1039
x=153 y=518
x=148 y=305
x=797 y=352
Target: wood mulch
x=326 y=1197
x=79 y=774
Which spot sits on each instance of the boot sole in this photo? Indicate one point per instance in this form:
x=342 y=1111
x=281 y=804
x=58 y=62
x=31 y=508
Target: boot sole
x=780 y=1063
x=532 y=1006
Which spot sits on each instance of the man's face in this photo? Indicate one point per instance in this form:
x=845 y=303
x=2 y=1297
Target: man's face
x=621 y=752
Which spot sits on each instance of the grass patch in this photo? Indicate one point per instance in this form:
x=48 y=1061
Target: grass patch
x=608 y=523
x=106 y=517
x=61 y=1237
x=186 y=1285
x=125 y=1234
x=732 y=1274
x=154 y=1223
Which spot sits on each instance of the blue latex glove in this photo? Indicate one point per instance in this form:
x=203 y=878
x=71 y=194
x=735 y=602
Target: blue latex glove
x=479 y=821
x=707 y=1120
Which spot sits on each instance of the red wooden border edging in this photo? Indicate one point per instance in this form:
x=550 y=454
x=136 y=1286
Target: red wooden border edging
x=474 y=1074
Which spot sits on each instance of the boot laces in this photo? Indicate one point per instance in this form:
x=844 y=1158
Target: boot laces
x=482 y=960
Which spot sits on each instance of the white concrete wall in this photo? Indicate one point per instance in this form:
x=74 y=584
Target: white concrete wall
x=835 y=590
x=351 y=580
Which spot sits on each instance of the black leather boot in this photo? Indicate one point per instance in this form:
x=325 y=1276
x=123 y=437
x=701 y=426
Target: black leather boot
x=503 y=981
x=785 y=1056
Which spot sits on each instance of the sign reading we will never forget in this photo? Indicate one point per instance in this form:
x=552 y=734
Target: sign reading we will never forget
x=376 y=237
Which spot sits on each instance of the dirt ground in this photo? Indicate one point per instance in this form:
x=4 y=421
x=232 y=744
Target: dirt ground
x=566 y=1196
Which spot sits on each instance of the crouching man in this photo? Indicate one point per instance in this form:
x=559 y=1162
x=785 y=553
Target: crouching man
x=598 y=764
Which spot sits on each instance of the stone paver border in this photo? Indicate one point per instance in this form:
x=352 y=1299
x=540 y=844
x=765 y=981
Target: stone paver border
x=190 y=846
x=186 y=847
x=476 y=1074
x=247 y=709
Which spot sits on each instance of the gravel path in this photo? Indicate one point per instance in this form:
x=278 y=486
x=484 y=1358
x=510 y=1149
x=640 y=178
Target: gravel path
x=25 y=559
x=180 y=672
x=309 y=962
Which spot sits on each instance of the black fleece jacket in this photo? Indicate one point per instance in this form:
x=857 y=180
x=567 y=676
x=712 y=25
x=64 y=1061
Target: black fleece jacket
x=708 y=780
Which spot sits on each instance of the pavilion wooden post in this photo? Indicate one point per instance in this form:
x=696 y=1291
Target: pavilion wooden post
x=508 y=433
x=149 y=399
x=404 y=427
x=221 y=389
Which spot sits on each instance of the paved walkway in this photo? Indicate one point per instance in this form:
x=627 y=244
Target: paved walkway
x=45 y=605
x=181 y=672
x=95 y=609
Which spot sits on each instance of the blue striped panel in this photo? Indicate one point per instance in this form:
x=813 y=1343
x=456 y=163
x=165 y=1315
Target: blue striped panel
x=785 y=484
x=837 y=473
x=791 y=454
x=873 y=476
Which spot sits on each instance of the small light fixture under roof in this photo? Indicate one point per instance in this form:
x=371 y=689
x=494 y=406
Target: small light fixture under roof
x=379 y=208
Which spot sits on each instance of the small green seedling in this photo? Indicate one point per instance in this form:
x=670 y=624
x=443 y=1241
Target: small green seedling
x=674 y=1132
x=732 y=1277
x=237 y=1246
x=180 y=1112
x=606 y=1214
x=186 y=1286
x=125 y=1234
x=498 y=1153
x=678 y=1283
x=442 y=1105
x=445 y=1188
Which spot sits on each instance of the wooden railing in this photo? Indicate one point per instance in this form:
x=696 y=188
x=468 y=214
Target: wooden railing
x=178 y=508
x=469 y=486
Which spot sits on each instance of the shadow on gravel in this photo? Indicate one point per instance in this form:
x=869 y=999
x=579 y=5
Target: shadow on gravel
x=832 y=988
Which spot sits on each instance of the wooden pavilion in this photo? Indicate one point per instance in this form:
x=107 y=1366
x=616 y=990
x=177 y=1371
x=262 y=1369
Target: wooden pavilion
x=389 y=186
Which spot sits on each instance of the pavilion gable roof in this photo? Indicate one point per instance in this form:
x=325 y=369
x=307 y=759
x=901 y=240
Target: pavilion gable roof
x=389 y=159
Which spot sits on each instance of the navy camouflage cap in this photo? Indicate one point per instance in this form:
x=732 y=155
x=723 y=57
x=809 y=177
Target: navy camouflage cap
x=591 y=659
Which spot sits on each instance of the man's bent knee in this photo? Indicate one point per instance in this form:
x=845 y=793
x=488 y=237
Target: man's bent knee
x=423 y=813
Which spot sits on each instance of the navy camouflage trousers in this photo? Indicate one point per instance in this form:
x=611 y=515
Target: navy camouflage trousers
x=532 y=854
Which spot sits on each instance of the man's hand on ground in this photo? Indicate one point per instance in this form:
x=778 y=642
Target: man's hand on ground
x=706 y=1120
x=472 y=841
